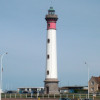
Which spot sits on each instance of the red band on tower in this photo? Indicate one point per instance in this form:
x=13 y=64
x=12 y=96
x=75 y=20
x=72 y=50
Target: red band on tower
x=51 y=25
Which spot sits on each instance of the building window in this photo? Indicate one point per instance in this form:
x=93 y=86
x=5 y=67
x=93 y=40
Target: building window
x=92 y=89
x=47 y=72
x=92 y=83
x=48 y=56
x=48 y=40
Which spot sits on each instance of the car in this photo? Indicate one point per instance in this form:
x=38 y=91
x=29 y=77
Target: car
x=64 y=99
x=25 y=92
x=9 y=91
x=87 y=99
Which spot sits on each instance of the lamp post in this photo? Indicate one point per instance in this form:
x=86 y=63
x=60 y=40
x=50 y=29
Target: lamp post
x=88 y=79
x=1 y=73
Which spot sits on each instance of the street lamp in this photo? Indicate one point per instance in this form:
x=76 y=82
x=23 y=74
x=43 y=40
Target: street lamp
x=88 y=79
x=1 y=58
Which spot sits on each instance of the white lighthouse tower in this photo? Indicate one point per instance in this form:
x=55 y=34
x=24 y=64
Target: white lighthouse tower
x=51 y=79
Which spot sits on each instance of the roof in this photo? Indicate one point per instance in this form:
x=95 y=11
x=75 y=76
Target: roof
x=97 y=79
x=51 y=8
x=30 y=87
x=74 y=86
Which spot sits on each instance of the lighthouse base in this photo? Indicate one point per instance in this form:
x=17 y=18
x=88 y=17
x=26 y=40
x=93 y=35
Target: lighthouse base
x=51 y=86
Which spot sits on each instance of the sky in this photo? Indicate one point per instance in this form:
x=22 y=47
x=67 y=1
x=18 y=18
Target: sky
x=23 y=36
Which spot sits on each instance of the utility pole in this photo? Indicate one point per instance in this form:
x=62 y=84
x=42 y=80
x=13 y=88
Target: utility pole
x=1 y=58
x=88 y=79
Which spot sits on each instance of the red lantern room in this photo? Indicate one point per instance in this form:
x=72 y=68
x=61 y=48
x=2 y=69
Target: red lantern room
x=51 y=19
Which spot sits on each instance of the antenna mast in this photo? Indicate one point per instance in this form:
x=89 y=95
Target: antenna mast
x=51 y=3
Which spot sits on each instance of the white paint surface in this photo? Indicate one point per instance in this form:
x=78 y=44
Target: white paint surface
x=51 y=63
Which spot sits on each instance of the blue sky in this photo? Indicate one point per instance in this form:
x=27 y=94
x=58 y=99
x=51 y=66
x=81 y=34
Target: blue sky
x=23 y=36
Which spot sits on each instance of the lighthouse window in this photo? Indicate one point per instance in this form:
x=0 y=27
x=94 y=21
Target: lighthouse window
x=47 y=72
x=48 y=56
x=48 y=25
x=48 y=40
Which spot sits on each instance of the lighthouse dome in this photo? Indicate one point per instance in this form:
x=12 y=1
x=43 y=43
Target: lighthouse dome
x=51 y=11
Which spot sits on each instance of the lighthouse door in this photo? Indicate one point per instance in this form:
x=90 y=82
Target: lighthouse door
x=47 y=90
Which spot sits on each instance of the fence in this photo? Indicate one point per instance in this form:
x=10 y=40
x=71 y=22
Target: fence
x=44 y=96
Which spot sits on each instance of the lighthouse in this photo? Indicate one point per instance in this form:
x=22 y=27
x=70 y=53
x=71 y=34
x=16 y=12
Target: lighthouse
x=51 y=78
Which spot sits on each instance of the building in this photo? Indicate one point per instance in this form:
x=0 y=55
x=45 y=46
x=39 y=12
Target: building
x=30 y=90
x=51 y=79
x=74 y=89
x=94 y=84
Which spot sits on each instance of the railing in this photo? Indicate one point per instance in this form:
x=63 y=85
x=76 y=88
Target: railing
x=44 y=96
